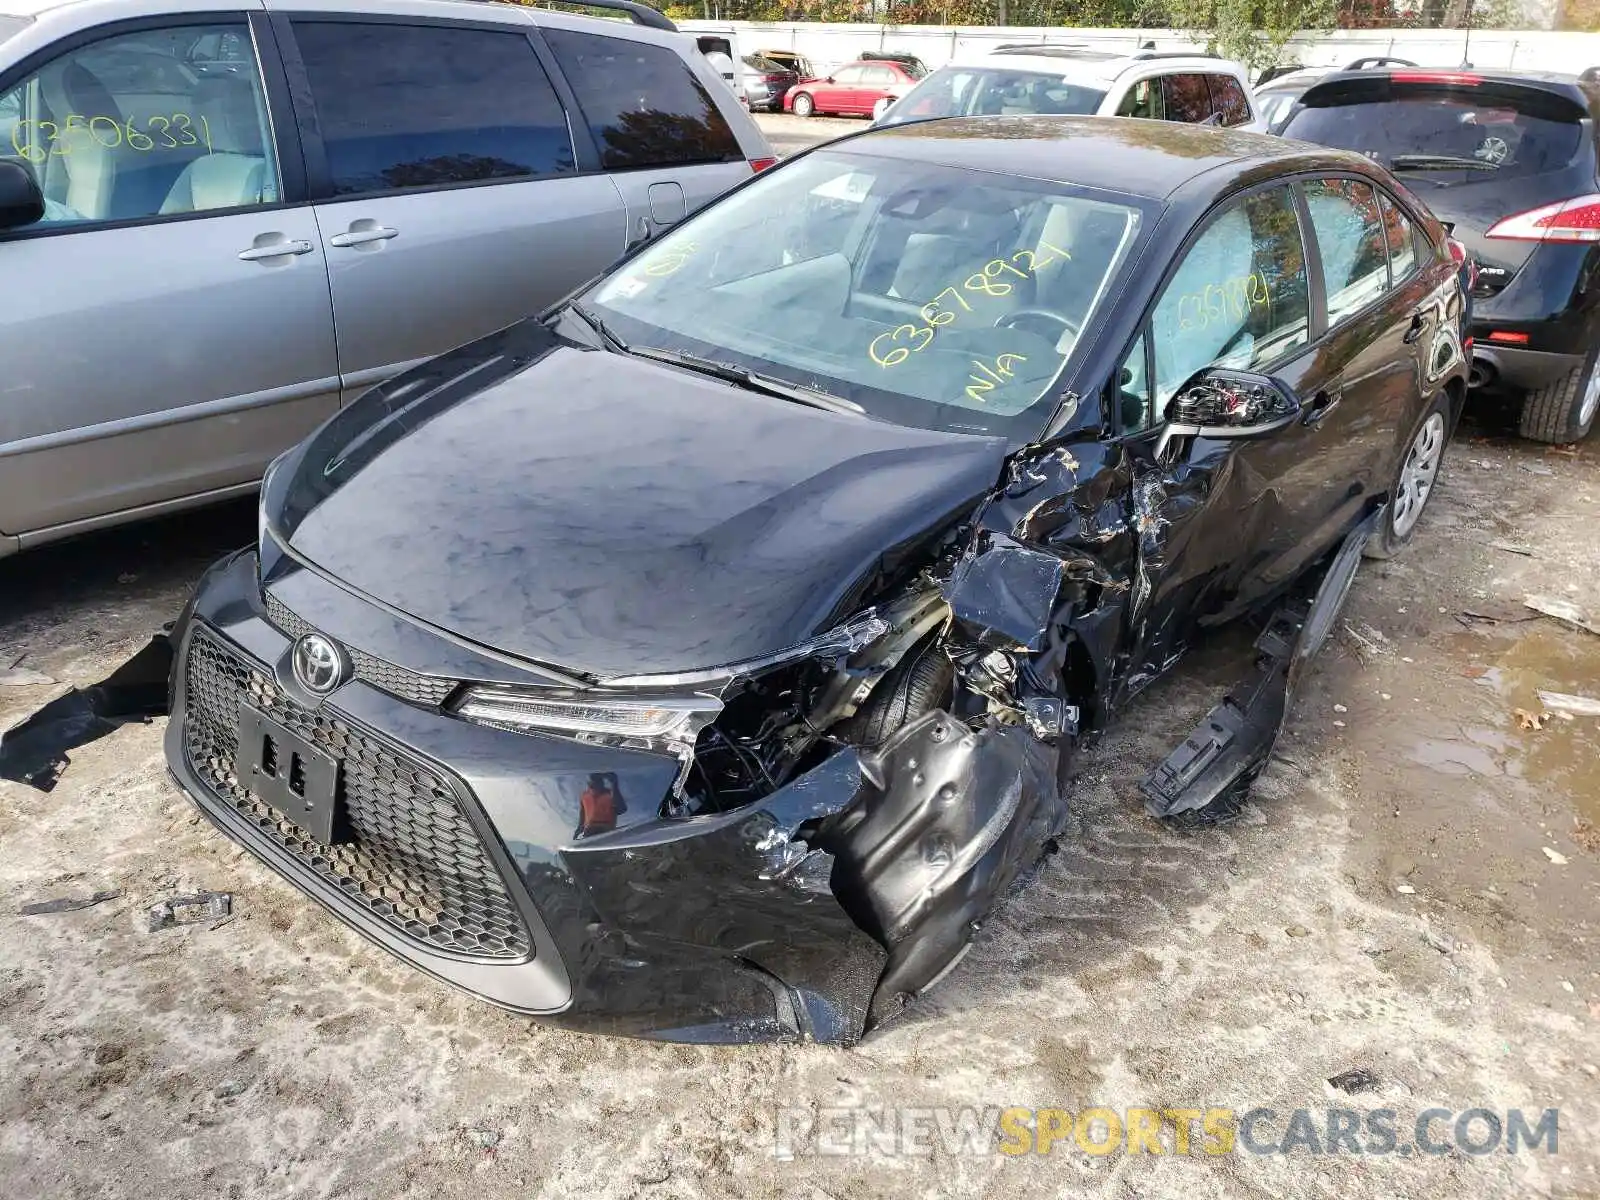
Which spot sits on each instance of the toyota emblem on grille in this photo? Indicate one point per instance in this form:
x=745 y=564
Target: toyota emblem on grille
x=318 y=664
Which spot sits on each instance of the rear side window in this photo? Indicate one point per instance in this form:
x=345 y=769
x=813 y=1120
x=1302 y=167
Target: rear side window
x=1425 y=129
x=1186 y=98
x=642 y=103
x=1350 y=234
x=414 y=106
x=1400 y=235
x=1229 y=100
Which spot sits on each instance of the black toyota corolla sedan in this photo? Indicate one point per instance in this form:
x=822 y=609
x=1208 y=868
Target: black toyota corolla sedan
x=700 y=659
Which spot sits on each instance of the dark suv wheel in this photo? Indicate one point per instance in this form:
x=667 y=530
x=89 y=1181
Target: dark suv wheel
x=1564 y=411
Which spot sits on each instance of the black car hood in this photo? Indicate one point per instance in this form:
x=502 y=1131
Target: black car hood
x=609 y=515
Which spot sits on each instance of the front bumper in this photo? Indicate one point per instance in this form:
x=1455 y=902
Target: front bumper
x=467 y=859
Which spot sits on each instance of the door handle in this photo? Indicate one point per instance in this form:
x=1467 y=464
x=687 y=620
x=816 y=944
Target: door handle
x=281 y=248
x=1321 y=405
x=360 y=237
x=1419 y=322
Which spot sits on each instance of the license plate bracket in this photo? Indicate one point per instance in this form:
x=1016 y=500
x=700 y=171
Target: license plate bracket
x=293 y=776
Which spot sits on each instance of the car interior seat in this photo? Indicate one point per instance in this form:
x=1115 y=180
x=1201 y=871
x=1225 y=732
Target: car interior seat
x=234 y=172
x=80 y=170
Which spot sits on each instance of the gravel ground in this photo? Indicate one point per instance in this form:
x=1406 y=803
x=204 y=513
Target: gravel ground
x=1412 y=891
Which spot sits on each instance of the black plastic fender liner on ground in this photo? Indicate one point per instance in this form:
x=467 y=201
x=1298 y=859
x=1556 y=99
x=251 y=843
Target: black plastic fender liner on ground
x=1232 y=743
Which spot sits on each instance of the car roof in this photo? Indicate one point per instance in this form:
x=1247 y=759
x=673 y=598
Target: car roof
x=1084 y=62
x=1584 y=93
x=1152 y=159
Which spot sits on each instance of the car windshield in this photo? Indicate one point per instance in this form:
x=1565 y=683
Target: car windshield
x=992 y=91
x=927 y=295
x=1434 y=131
x=1275 y=106
x=756 y=63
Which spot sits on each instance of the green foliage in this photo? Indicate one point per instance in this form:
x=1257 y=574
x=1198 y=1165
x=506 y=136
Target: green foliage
x=1253 y=31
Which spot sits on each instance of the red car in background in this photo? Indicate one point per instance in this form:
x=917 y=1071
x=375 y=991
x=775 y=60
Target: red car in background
x=855 y=90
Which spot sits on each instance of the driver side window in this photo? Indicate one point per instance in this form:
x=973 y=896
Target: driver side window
x=153 y=123
x=1238 y=299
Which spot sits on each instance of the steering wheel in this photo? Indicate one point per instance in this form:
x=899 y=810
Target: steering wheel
x=1060 y=323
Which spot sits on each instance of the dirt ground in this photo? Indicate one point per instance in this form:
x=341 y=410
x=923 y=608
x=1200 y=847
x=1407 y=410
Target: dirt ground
x=1412 y=891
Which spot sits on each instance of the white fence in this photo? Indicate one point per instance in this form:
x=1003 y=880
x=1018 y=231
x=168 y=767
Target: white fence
x=829 y=46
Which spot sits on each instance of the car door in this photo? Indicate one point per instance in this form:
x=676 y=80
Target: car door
x=1377 y=334
x=839 y=93
x=168 y=328
x=447 y=188
x=656 y=127
x=1224 y=524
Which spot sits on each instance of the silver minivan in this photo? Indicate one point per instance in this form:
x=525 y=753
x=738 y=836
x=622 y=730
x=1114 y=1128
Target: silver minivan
x=253 y=210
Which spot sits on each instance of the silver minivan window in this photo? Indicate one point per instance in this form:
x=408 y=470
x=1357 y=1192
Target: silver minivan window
x=159 y=122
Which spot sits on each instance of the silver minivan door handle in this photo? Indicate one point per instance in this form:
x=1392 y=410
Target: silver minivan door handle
x=280 y=248
x=360 y=237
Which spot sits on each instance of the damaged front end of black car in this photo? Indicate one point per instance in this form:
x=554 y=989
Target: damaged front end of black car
x=791 y=845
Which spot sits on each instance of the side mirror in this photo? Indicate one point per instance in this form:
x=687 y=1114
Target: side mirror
x=1215 y=403
x=21 y=201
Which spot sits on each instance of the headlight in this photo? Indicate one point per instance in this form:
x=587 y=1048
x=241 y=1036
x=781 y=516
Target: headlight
x=673 y=717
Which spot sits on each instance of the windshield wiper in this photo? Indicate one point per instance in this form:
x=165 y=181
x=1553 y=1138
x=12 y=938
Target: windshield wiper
x=1438 y=162
x=751 y=379
x=611 y=340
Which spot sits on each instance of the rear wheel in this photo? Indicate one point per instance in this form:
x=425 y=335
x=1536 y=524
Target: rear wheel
x=1564 y=411
x=880 y=107
x=803 y=105
x=1413 y=485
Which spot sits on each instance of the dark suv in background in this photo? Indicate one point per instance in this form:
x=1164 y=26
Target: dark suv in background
x=1508 y=160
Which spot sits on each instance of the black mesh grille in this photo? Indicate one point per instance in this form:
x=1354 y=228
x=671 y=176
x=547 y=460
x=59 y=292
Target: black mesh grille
x=385 y=676
x=413 y=859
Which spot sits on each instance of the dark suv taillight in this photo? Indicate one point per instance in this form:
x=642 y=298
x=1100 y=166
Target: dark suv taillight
x=1576 y=220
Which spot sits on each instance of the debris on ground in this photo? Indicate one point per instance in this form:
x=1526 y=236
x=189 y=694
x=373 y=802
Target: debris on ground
x=1562 y=610
x=214 y=906
x=68 y=903
x=229 y=1088
x=1555 y=856
x=488 y=1140
x=1585 y=834
x=1442 y=944
x=1354 y=1082
x=35 y=752
x=1578 y=706
x=1512 y=548
x=1527 y=720
x=23 y=677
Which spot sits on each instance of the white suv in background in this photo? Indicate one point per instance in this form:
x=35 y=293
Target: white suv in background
x=1055 y=80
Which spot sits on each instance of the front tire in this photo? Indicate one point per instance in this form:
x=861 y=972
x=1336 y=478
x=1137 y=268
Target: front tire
x=919 y=683
x=1414 y=482
x=804 y=105
x=1563 y=411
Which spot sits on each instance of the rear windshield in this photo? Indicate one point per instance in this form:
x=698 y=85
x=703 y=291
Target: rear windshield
x=989 y=91
x=1442 y=131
